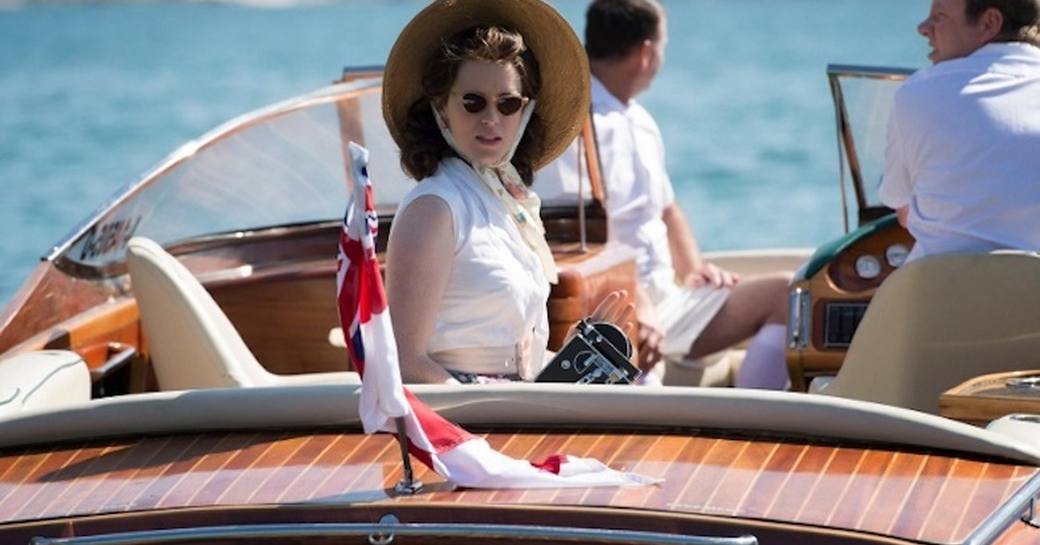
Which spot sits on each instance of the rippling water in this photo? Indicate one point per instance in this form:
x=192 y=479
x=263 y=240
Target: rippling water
x=92 y=95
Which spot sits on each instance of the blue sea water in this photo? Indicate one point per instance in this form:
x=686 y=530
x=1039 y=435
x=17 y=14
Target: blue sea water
x=92 y=95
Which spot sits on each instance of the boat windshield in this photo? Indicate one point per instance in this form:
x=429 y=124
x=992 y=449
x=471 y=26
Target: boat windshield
x=281 y=165
x=862 y=101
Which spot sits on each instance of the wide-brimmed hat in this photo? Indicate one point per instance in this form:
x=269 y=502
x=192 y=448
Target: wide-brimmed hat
x=563 y=101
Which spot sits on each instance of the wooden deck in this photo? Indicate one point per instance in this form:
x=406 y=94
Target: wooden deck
x=929 y=497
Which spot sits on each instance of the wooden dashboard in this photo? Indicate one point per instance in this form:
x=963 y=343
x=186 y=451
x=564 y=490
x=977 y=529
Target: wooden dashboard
x=830 y=295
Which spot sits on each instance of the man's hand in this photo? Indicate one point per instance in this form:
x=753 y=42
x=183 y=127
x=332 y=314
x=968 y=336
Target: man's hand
x=650 y=338
x=710 y=275
x=649 y=332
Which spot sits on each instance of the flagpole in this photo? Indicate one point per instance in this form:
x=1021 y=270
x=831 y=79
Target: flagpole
x=407 y=486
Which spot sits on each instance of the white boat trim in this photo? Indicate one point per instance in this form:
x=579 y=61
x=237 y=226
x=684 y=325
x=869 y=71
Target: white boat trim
x=775 y=414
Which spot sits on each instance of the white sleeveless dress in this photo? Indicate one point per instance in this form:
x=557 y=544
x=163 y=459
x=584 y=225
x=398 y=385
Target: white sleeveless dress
x=492 y=318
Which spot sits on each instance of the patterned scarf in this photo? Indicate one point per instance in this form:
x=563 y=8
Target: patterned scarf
x=505 y=184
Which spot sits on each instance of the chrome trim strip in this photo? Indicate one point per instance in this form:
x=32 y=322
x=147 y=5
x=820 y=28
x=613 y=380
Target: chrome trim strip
x=1015 y=508
x=1031 y=518
x=881 y=72
x=798 y=307
x=383 y=531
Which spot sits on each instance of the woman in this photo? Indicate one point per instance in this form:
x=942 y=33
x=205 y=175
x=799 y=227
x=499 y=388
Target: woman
x=501 y=93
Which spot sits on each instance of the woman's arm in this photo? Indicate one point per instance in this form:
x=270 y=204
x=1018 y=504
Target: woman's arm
x=418 y=263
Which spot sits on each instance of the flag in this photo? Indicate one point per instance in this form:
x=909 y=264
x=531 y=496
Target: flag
x=447 y=449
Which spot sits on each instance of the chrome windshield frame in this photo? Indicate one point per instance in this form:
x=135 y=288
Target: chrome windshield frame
x=187 y=150
x=847 y=154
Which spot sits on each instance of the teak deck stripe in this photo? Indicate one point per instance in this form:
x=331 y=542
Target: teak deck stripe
x=51 y=508
x=925 y=498
x=928 y=497
x=761 y=471
x=110 y=501
x=914 y=485
x=608 y=455
x=845 y=489
x=763 y=494
x=63 y=457
x=196 y=477
x=799 y=516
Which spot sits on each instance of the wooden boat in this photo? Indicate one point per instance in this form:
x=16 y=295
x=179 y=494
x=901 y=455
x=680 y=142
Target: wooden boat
x=101 y=443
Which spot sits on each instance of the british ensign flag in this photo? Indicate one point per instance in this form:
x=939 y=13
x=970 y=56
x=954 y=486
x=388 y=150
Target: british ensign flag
x=447 y=449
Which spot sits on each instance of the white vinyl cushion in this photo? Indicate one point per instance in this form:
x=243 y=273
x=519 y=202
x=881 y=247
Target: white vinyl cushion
x=42 y=379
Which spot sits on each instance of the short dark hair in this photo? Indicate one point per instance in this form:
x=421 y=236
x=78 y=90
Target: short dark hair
x=422 y=146
x=1021 y=18
x=614 y=27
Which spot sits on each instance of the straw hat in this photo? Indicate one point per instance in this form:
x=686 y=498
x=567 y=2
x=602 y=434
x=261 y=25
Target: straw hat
x=563 y=101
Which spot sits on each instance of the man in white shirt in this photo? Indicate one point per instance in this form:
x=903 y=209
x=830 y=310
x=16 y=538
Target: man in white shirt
x=963 y=153
x=687 y=306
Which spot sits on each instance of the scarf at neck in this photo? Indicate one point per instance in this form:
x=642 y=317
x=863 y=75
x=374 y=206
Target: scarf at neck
x=504 y=182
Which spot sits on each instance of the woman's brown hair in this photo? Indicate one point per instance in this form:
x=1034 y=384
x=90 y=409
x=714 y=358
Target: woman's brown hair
x=422 y=146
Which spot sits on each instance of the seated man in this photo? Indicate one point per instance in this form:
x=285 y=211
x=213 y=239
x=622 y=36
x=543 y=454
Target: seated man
x=963 y=154
x=689 y=307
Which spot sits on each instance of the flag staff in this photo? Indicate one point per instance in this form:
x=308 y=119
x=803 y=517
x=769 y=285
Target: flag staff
x=407 y=486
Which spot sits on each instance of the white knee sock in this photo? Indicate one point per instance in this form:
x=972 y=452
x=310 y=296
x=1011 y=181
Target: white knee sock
x=764 y=365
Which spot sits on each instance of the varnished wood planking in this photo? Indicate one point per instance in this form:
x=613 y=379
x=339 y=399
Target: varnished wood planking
x=1019 y=534
x=791 y=497
x=204 y=468
x=840 y=470
x=840 y=487
x=999 y=479
x=923 y=499
x=962 y=481
x=762 y=493
x=633 y=449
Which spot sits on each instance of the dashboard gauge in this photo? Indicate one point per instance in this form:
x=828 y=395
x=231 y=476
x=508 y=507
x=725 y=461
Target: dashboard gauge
x=868 y=267
x=896 y=254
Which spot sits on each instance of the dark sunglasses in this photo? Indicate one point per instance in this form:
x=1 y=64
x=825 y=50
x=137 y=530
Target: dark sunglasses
x=507 y=105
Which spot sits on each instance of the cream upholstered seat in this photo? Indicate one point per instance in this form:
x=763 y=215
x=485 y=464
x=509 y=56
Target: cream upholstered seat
x=192 y=342
x=42 y=379
x=939 y=321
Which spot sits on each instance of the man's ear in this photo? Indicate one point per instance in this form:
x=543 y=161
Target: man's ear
x=991 y=22
x=646 y=54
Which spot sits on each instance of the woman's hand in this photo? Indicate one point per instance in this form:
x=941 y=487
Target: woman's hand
x=613 y=309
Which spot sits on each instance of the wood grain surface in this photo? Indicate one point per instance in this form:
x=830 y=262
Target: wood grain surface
x=927 y=497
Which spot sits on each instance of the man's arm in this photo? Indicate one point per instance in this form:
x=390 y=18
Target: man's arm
x=686 y=254
x=690 y=267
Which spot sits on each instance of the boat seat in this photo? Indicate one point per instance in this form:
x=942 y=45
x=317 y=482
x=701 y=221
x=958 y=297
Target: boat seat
x=937 y=322
x=42 y=379
x=192 y=343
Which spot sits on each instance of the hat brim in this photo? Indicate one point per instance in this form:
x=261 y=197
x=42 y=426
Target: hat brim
x=563 y=101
